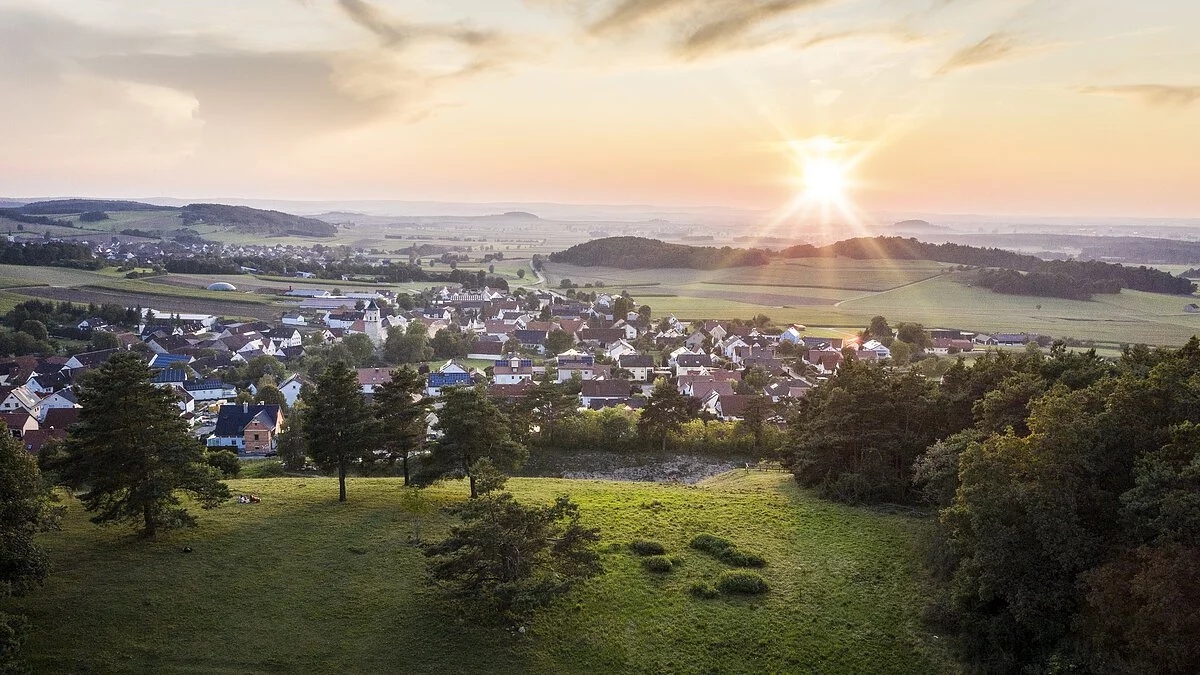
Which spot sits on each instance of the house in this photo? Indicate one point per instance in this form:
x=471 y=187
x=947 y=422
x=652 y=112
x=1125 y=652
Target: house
x=371 y=378
x=511 y=392
x=89 y=360
x=532 y=339
x=733 y=406
x=984 y=340
x=170 y=360
x=250 y=429
x=641 y=366
x=486 y=350
x=601 y=337
x=42 y=384
x=692 y=364
x=60 y=418
x=788 y=389
x=512 y=371
x=825 y=360
x=1011 y=339
x=618 y=349
x=793 y=334
x=942 y=346
x=585 y=370
x=63 y=398
x=210 y=390
x=19 y=398
x=290 y=388
x=36 y=439
x=876 y=346
x=604 y=393
x=451 y=374
x=19 y=422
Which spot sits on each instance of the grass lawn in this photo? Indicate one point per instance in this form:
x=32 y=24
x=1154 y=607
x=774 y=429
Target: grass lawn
x=300 y=583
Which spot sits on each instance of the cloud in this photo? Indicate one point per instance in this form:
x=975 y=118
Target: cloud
x=728 y=31
x=397 y=33
x=627 y=13
x=1158 y=95
x=992 y=49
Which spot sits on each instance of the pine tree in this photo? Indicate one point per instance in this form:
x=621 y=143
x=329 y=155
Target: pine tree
x=400 y=408
x=473 y=428
x=549 y=403
x=338 y=425
x=133 y=453
x=666 y=411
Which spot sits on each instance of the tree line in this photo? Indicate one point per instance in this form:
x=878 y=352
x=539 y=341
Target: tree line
x=640 y=252
x=50 y=253
x=1068 y=527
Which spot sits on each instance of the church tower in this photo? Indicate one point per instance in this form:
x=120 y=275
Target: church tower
x=373 y=324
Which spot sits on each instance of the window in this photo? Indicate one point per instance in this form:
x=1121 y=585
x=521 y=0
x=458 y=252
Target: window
x=256 y=437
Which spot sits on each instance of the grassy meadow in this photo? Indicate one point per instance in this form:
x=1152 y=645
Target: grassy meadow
x=301 y=583
x=843 y=293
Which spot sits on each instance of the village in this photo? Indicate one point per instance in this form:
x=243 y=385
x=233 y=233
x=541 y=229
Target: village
x=606 y=351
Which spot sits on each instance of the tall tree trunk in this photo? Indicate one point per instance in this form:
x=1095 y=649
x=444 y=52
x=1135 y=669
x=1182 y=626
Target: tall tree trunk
x=404 y=460
x=664 y=445
x=151 y=526
x=471 y=478
x=342 y=479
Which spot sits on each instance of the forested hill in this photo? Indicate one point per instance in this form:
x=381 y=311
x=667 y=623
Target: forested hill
x=256 y=221
x=1015 y=273
x=639 y=252
x=62 y=207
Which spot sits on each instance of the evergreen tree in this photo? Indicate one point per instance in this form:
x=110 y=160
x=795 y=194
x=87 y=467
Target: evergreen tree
x=339 y=425
x=133 y=453
x=23 y=564
x=474 y=428
x=550 y=403
x=666 y=411
x=400 y=408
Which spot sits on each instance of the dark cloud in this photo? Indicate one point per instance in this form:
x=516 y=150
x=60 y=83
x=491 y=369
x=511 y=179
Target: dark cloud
x=1159 y=95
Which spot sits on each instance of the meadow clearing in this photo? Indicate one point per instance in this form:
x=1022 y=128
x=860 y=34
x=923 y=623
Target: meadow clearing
x=300 y=582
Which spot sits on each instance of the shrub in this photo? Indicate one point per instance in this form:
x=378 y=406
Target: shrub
x=225 y=461
x=646 y=547
x=724 y=550
x=657 y=563
x=703 y=589
x=270 y=469
x=740 y=582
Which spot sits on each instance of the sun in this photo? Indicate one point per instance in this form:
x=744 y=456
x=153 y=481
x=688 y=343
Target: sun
x=824 y=180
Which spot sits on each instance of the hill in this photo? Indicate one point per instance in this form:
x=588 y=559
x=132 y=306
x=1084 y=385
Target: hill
x=640 y=252
x=301 y=583
x=919 y=226
x=256 y=221
x=61 y=207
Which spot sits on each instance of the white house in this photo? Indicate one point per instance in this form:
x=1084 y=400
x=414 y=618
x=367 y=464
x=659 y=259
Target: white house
x=512 y=371
x=294 y=319
x=290 y=388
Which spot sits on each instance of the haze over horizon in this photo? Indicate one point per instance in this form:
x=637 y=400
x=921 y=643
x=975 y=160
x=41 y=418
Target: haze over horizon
x=1021 y=108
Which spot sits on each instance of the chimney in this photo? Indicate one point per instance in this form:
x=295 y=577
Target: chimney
x=245 y=407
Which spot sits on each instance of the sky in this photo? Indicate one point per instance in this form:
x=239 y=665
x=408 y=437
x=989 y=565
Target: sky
x=1033 y=107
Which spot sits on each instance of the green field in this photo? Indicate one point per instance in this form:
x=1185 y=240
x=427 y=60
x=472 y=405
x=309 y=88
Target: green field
x=301 y=583
x=844 y=294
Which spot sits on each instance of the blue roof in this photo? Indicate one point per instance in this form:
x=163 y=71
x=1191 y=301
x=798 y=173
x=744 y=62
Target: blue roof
x=440 y=380
x=165 y=360
x=200 y=385
x=169 y=375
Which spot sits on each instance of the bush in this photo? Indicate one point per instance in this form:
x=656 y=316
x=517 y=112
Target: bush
x=226 y=461
x=739 y=582
x=724 y=550
x=703 y=589
x=657 y=563
x=265 y=470
x=645 y=547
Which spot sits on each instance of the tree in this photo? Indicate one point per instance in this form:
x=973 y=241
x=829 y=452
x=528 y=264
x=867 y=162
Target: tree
x=880 y=330
x=521 y=273
x=511 y=558
x=408 y=345
x=559 y=341
x=914 y=334
x=474 y=428
x=35 y=329
x=400 y=408
x=103 y=339
x=338 y=424
x=270 y=395
x=549 y=404
x=362 y=350
x=665 y=412
x=133 y=452
x=23 y=564
x=416 y=503
x=291 y=443
x=755 y=417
